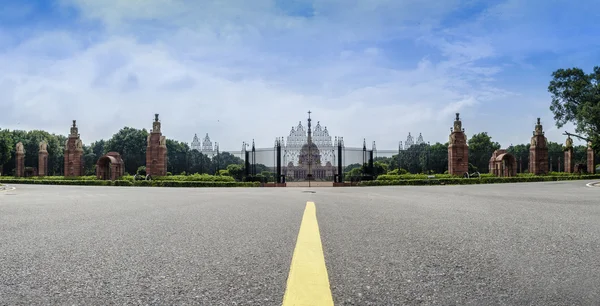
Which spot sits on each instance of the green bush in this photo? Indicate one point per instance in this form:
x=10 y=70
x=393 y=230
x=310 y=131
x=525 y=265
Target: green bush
x=482 y=180
x=388 y=177
x=141 y=170
x=51 y=178
x=154 y=183
x=195 y=178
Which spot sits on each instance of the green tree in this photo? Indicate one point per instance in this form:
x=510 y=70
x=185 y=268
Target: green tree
x=89 y=160
x=576 y=99
x=198 y=162
x=236 y=171
x=177 y=153
x=481 y=149
x=6 y=147
x=224 y=159
x=556 y=156
x=131 y=144
x=98 y=147
x=521 y=154
x=31 y=141
x=416 y=158
x=438 y=157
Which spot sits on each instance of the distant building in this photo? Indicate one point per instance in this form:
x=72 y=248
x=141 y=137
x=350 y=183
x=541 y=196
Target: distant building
x=205 y=147
x=309 y=153
x=298 y=137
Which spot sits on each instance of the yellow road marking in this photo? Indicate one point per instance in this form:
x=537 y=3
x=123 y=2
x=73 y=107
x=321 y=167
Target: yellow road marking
x=308 y=282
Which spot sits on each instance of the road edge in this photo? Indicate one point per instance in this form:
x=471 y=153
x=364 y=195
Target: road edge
x=7 y=188
x=593 y=184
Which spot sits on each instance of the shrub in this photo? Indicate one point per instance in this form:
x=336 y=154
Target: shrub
x=141 y=170
x=163 y=183
x=482 y=180
x=195 y=177
x=388 y=177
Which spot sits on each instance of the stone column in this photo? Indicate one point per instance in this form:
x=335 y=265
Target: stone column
x=20 y=160
x=569 y=166
x=43 y=159
x=156 y=151
x=73 y=153
x=538 y=151
x=458 y=150
x=591 y=163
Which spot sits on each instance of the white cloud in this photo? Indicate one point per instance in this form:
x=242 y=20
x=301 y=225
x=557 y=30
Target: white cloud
x=246 y=71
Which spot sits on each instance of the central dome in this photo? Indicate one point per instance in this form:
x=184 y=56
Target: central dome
x=309 y=153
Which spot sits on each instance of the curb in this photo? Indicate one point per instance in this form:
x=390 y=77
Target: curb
x=593 y=184
x=6 y=188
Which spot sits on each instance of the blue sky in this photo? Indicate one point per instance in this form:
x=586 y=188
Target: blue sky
x=242 y=70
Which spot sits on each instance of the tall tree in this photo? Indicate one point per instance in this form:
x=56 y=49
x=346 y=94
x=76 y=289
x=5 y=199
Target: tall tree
x=576 y=99
x=177 y=156
x=521 y=153
x=198 y=162
x=131 y=144
x=6 y=147
x=438 y=157
x=481 y=149
x=224 y=159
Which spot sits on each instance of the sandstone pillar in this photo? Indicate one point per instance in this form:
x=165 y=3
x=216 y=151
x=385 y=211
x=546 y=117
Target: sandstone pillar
x=458 y=150
x=591 y=163
x=20 y=160
x=569 y=166
x=538 y=151
x=156 y=151
x=43 y=159
x=73 y=153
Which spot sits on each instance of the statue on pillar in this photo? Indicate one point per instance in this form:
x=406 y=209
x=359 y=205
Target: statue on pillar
x=74 y=129
x=569 y=143
x=156 y=124
x=20 y=149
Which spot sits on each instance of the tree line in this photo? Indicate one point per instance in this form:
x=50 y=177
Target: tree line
x=425 y=158
x=129 y=142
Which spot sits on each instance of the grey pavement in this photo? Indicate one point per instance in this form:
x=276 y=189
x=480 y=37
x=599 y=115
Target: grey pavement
x=505 y=244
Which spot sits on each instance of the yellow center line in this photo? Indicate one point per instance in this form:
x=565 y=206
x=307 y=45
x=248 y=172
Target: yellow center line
x=308 y=282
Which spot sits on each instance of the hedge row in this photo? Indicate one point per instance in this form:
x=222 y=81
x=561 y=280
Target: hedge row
x=483 y=180
x=50 y=178
x=396 y=177
x=194 y=178
x=132 y=183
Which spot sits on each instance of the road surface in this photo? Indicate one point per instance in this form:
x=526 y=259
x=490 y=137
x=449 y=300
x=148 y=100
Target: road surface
x=505 y=244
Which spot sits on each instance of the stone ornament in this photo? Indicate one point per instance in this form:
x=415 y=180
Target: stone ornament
x=156 y=124
x=43 y=146
x=20 y=148
x=74 y=129
x=569 y=142
x=457 y=123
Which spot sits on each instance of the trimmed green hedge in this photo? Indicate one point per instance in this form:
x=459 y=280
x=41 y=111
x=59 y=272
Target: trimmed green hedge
x=483 y=180
x=153 y=183
x=187 y=178
x=50 y=178
x=395 y=177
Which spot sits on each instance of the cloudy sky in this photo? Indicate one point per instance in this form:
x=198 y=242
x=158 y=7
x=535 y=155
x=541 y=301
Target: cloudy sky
x=242 y=70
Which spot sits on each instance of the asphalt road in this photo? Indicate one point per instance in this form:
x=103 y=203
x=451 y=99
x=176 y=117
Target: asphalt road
x=506 y=244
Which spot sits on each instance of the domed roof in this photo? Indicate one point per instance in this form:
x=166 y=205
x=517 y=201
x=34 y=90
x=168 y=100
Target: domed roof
x=309 y=153
x=313 y=148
